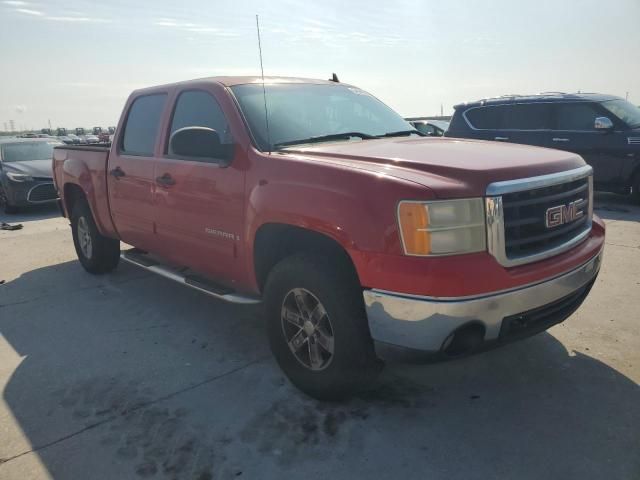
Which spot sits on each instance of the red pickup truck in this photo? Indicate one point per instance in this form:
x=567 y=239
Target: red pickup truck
x=361 y=237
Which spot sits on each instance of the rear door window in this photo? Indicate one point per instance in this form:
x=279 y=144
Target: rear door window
x=527 y=116
x=141 y=128
x=574 y=116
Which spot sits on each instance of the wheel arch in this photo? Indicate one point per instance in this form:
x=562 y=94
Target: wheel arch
x=275 y=241
x=72 y=194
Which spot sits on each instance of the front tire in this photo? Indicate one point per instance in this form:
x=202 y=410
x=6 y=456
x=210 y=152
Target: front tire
x=635 y=188
x=5 y=205
x=97 y=253
x=317 y=327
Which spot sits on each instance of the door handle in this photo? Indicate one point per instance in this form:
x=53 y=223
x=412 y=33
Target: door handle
x=117 y=172
x=556 y=139
x=501 y=139
x=165 y=180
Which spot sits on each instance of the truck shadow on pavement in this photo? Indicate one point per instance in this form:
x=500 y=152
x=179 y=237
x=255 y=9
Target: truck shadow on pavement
x=616 y=207
x=129 y=376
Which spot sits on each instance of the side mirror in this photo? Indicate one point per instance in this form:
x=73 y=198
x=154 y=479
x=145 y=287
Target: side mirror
x=603 y=123
x=200 y=143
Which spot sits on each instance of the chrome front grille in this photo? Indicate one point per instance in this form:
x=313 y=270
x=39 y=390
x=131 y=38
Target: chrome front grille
x=536 y=218
x=45 y=192
x=526 y=230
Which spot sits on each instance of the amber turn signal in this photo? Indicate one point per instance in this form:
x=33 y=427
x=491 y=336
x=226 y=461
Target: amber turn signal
x=414 y=222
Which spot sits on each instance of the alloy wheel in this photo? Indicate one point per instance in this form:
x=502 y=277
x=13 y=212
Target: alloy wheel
x=84 y=237
x=307 y=329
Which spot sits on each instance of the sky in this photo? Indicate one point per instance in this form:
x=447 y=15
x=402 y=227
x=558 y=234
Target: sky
x=74 y=62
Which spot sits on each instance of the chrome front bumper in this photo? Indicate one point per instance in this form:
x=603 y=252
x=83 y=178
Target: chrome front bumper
x=424 y=323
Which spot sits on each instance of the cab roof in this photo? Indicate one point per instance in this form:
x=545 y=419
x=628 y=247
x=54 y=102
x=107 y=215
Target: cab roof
x=243 y=80
x=544 y=97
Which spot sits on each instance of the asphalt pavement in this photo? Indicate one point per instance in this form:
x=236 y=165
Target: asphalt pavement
x=130 y=376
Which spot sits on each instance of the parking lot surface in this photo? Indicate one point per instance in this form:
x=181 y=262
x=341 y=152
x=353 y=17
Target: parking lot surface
x=129 y=375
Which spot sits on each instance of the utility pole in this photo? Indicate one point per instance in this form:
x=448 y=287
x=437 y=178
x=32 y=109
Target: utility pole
x=49 y=124
x=441 y=110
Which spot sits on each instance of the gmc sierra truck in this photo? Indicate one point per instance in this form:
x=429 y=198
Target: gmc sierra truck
x=361 y=237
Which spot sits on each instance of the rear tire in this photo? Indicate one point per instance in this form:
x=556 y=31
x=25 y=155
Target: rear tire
x=326 y=348
x=97 y=253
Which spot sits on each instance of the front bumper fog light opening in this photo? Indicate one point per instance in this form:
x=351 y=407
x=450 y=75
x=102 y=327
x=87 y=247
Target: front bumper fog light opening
x=463 y=340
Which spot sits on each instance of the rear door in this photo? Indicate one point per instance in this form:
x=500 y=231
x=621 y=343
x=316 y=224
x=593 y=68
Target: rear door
x=527 y=123
x=130 y=178
x=199 y=209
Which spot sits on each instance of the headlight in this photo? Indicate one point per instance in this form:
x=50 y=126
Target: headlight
x=442 y=227
x=19 y=177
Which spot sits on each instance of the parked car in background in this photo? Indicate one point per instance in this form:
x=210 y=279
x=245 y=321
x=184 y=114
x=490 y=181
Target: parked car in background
x=97 y=131
x=433 y=128
x=358 y=233
x=90 y=139
x=80 y=131
x=25 y=173
x=61 y=132
x=104 y=137
x=75 y=139
x=603 y=129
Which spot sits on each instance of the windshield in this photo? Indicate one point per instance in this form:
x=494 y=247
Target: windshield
x=298 y=112
x=24 y=151
x=625 y=111
x=441 y=124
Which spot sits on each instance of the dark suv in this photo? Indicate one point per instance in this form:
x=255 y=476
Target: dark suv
x=603 y=129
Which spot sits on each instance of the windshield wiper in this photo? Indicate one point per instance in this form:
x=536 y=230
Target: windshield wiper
x=402 y=133
x=326 y=138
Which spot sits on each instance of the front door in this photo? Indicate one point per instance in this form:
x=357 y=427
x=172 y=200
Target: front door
x=199 y=213
x=574 y=131
x=616 y=155
x=130 y=171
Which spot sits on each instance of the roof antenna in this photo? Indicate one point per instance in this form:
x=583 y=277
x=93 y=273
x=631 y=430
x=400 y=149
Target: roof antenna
x=334 y=78
x=264 y=92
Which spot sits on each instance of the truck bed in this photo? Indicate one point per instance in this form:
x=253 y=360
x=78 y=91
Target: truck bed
x=85 y=167
x=102 y=147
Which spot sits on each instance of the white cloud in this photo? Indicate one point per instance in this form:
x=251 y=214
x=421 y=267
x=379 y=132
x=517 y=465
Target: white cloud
x=28 y=11
x=170 y=22
x=77 y=19
x=15 y=3
x=193 y=28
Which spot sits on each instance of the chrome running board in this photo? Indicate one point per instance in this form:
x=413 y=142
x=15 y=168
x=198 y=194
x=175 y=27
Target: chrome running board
x=204 y=285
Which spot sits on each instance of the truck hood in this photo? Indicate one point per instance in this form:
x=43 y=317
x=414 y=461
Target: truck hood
x=450 y=167
x=35 y=168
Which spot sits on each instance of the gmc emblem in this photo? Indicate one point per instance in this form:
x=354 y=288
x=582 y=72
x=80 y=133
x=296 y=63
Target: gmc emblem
x=563 y=214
